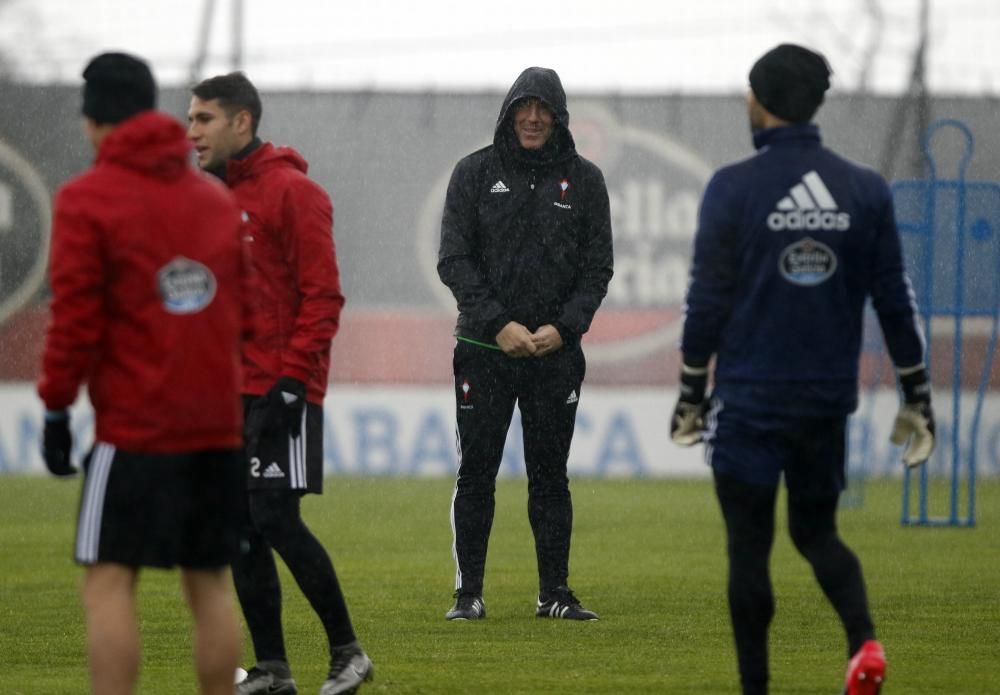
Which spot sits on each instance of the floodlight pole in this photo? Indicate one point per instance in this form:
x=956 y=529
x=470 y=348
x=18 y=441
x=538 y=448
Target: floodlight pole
x=237 y=38
x=915 y=98
x=201 y=48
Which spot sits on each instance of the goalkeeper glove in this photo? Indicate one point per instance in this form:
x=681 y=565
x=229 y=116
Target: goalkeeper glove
x=278 y=409
x=57 y=443
x=914 y=425
x=688 y=422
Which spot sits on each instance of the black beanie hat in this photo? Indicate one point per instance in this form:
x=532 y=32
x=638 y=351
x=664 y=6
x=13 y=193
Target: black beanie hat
x=117 y=86
x=789 y=81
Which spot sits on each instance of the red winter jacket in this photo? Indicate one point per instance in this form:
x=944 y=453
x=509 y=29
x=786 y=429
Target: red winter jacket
x=297 y=297
x=146 y=271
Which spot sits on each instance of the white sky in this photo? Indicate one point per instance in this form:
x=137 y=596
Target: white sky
x=628 y=46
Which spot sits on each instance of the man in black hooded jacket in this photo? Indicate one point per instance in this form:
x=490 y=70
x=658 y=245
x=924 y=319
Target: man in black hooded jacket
x=526 y=250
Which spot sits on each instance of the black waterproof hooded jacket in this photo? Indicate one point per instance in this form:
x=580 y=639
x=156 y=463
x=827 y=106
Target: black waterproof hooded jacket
x=526 y=234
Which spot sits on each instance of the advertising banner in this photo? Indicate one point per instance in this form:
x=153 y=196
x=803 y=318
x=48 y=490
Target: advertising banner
x=410 y=431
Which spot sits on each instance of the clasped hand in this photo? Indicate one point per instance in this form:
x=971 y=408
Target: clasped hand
x=517 y=341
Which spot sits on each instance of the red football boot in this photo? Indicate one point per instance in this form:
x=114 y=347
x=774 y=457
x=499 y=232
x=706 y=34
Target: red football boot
x=866 y=670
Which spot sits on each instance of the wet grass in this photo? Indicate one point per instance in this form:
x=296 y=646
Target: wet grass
x=647 y=555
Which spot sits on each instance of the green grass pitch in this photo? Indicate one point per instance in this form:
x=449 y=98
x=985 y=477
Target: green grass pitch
x=647 y=555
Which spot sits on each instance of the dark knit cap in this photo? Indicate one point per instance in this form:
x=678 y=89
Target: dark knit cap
x=789 y=81
x=117 y=86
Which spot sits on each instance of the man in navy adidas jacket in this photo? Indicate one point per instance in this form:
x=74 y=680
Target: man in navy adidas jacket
x=790 y=244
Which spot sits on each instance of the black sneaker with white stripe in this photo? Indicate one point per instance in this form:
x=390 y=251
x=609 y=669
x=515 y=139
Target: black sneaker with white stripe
x=561 y=603
x=467 y=607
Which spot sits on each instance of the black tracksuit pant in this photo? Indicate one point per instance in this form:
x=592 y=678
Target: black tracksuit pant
x=546 y=390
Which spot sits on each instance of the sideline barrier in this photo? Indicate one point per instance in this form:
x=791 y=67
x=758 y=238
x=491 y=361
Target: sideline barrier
x=410 y=431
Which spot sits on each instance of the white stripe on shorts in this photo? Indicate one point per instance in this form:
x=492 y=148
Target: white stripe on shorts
x=711 y=424
x=297 y=457
x=88 y=529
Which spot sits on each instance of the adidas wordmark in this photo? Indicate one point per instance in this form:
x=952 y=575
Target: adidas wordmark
x=499 y=187
x=808 y=206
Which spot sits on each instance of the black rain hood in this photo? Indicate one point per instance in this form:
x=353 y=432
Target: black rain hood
x=543 y=84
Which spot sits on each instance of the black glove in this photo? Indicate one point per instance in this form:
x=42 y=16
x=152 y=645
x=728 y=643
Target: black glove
x=278 y=410
x=57 y=443
x=688 y=422
x=914 y=425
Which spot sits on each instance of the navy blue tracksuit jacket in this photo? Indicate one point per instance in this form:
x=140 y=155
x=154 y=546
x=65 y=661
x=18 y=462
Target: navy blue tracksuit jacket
x=790 y=243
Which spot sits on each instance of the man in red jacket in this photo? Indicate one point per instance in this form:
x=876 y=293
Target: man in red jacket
x=289 y=220
x=147 y=309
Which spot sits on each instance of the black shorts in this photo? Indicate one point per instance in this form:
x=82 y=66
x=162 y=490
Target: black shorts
x=279 y=461
x=161 y=510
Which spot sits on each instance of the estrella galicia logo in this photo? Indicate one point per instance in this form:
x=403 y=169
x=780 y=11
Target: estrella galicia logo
x=186 y=286
x=807 y=262
x=25 y=220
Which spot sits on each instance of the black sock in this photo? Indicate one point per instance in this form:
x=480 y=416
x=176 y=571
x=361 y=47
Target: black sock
x=277 y=516
x=749 y=514
x=259 y=591
x=812 y=525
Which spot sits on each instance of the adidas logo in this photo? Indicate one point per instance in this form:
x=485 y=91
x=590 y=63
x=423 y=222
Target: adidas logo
x=808 y=206
x=499 y=187
x=572 y=398
x=274 y=471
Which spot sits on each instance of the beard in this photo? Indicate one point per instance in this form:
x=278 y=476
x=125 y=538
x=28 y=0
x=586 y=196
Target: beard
x=755 y=116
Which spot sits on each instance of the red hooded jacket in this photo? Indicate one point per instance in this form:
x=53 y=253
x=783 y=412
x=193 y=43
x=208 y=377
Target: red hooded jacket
x=297 y=297
x=147 y=270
